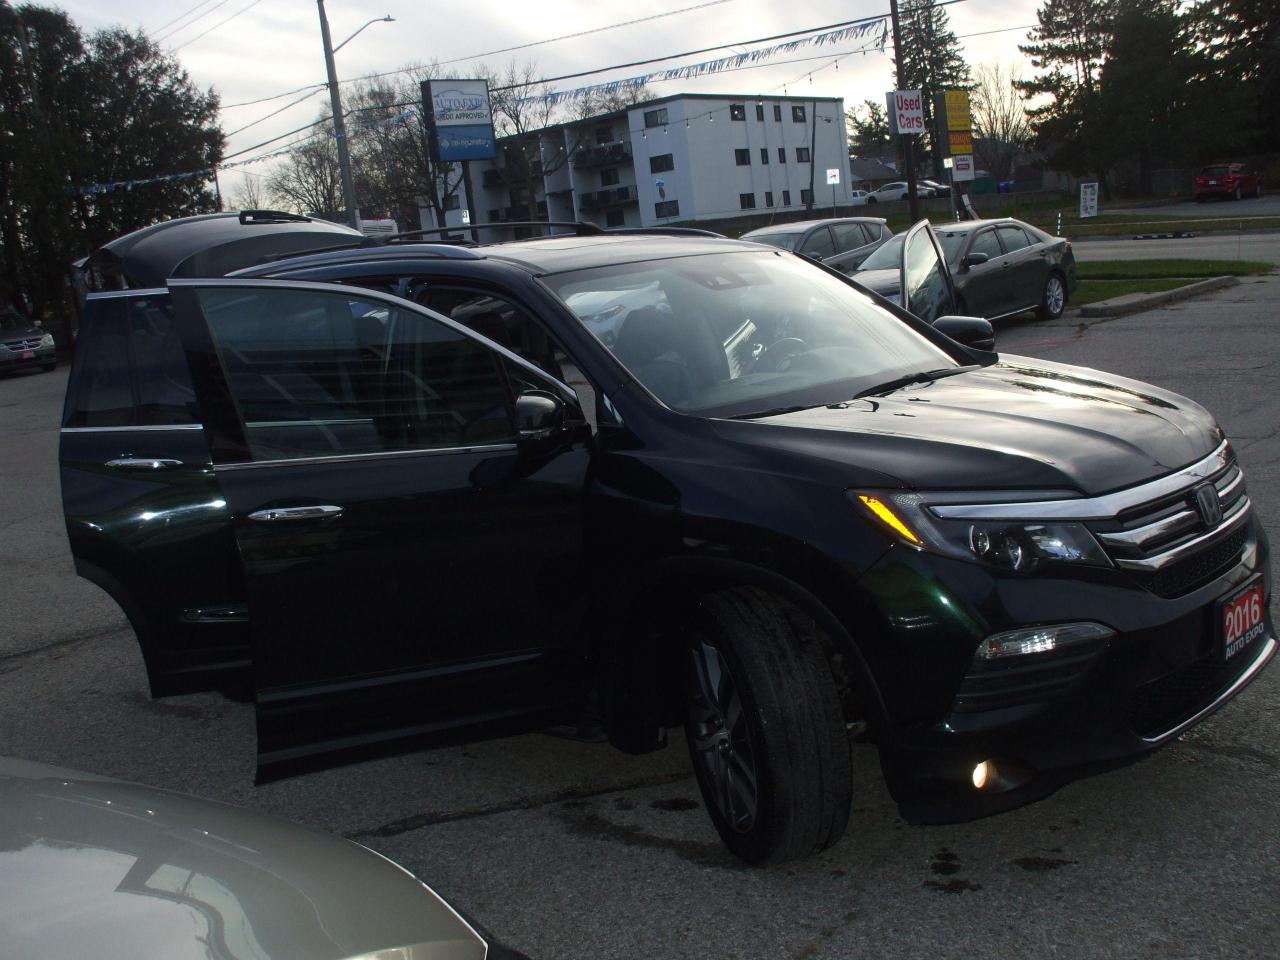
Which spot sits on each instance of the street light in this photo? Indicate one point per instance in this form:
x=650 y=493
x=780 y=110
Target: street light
x=335 y=104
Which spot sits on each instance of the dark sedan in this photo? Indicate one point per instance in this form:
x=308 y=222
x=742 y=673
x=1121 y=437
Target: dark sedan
x=842 y=243
x=999 y=268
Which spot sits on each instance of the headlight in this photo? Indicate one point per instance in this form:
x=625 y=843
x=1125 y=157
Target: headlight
x=605 y=315
x=1019 y=545
x=46 y=340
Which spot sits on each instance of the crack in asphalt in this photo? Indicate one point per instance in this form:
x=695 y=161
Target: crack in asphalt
x=98 y=633
x=417 y=821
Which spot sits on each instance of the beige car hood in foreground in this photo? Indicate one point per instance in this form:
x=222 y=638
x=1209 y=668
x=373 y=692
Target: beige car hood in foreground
x=101 y=869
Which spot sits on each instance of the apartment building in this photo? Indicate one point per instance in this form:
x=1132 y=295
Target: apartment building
x=670 y=160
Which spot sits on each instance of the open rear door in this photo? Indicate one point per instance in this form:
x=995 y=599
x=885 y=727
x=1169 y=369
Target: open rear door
x=926 y=284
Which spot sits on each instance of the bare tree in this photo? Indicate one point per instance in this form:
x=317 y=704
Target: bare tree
x=307 y=180
x=1001 y=128
x=250 y=195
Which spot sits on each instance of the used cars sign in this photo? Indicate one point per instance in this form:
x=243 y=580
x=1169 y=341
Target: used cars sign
x=459 y=113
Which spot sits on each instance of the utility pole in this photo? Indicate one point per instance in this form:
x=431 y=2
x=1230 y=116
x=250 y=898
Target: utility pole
x=339 y=124
x=908 y=139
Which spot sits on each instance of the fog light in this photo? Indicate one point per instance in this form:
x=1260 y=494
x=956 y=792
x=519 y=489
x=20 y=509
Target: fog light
x=981 y=774
x=1046 y=639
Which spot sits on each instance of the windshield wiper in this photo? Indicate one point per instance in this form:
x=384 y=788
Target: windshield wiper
x=774 y=412
x=923 y=376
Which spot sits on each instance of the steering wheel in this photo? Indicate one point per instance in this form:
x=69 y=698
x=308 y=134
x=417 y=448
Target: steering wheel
x=777 y=356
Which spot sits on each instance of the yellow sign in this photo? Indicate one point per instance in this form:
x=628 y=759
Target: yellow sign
x=960 y=141
x=957 y=110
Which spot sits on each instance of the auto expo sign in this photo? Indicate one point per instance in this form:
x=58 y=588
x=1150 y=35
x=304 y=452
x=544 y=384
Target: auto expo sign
x=461 y=118
x=908 y=111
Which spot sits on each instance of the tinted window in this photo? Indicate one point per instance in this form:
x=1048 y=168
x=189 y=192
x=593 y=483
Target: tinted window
x=787 y=241
x=1013 y=238
x=499 y=320
x=132 y=370
x=887 y=256
x=818 y=243
x=1218 y=171
x=742 y=157
x=985 y=242
x=849 y=236
x=318 y=374
x=927 y=292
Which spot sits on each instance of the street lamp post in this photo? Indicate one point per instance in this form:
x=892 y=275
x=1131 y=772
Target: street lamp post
x=339 y=122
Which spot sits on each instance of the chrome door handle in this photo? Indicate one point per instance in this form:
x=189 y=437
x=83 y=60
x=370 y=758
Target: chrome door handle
x=143 y=463
x=317 y=512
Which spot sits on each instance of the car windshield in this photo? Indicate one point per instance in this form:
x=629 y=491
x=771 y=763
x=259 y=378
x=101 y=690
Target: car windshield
x=11 y=322
x=1218 y=171
x=750 y=333
x=888 y=256
x=785 y=241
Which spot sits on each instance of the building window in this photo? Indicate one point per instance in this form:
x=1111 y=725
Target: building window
x=743 y=157
x=806 y=196
x=737 y=111
x=802 y=154
x=797 y=113
x=666 y=208
x=604 y=134
x=764 y=155
x=768 y=198
x=786 y=198
x=782 y=154
x=615 y=218
x=661 y=163
x=747 y=201
x=656 y=118
x=777 y=112
x=760 y=112
x=452 y=202
x=609 y=176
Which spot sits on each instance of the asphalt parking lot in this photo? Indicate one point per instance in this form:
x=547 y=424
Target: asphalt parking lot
x=569 y=850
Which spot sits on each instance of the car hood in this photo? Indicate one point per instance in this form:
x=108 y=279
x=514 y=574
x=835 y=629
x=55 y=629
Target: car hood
x=21 y=332
x=94 y=867
x=1017 y=424
x=883 y=282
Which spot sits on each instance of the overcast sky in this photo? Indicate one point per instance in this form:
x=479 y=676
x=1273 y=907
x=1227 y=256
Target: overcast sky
x=274 y=45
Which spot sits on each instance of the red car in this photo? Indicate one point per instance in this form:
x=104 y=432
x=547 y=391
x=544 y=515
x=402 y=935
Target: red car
x=1234 y=180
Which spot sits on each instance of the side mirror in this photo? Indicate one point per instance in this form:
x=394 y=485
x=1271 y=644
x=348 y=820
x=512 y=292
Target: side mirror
x=973 y=259
x=539 y=414
x=971 y=331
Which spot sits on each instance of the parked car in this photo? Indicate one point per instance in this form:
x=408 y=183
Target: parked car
x=778 y=511
x=1233 y=181
x=96 y=867
x=858 y=197
x=896 y=191
x=998 y=268
x=24 y=345
x=935 y=188
x=839 y=243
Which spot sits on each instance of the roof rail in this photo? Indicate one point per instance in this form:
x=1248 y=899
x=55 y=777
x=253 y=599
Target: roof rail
x=668 y=231
x=271 y=216
x=581 y=228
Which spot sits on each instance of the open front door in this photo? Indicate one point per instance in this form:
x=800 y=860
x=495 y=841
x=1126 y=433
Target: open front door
x=414 y=568
x=927 y=288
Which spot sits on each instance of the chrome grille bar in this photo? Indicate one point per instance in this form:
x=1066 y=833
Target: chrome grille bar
x=1231 y=518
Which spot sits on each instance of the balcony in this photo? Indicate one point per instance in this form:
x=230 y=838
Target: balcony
x=613 y=197
x=585 y=157
x=492 y=179
x=520 y=213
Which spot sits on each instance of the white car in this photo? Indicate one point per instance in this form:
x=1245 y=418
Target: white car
x=897 y=190
x=858 y=197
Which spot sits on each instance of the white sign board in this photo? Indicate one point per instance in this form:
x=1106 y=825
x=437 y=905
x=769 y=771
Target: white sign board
x=461 y=117
x=1088 y=200
x=466 y=216
x=908 y=111
x=962 y=166
x=833 y=176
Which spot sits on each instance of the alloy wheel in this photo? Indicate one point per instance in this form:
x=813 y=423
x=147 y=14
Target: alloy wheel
x=721 y=742
x=1055 y=295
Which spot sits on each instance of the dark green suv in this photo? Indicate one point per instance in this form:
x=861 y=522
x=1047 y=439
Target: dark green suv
x=405 y=494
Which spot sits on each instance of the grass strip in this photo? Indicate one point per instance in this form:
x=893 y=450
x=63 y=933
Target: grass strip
x=1155 y=269
x=1091 y=291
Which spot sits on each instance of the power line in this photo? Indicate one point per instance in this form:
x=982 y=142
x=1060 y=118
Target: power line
x=276 y=96
x=187 y=43
x=279 y=110
x=180 y=16
x=189 y=23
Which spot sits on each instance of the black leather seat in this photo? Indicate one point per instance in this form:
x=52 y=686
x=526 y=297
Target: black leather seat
x=675 y=357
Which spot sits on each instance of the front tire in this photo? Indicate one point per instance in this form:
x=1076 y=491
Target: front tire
x=1239 y=194
x=872 y=200
x=1053 y=301
x=766 y=733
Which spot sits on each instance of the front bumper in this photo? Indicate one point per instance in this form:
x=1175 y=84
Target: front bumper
x=1160 y=674
x=11 y=360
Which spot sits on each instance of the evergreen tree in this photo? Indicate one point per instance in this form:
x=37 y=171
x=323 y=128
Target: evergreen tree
x=930 y=58
x=869 y=136
x=1240 y=69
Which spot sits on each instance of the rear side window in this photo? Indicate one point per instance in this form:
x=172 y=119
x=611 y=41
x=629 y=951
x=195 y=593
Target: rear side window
x=850 y=236
x=328 y=374
x=130 y=367
x=1013 y=238
x=818 y=243
x=985 y=242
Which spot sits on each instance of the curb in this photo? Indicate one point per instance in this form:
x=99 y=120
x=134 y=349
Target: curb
x=1137 y=302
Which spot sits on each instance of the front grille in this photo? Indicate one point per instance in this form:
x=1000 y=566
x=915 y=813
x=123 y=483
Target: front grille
x=1166 y=543
x=17 y=345
x=1164 y=703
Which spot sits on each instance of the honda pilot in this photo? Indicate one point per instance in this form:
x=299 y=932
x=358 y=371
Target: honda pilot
x=405 y=494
